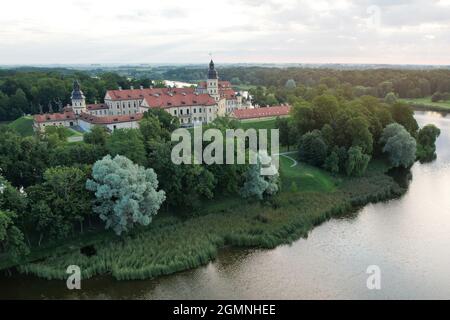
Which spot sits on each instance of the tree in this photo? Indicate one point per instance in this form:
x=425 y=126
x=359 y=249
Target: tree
x=404 y=115
x=168 y=122
x=56 y=135
x=390 y=98
x=22 y=160
x=357 y=129
x=328 y=135
x=11 y=237
x=19 y=102
x=152 y=129
x=257 y=185
x=399 y=145
x=128 y=143
x=303 y=118
x=97 y=136
x=286 y=131
x=271 y=100
x=60 y=202
x=332 y=163
x=290 y=84
x=436 y=97
x=325 y=109
x=357 y=162
x=126 y=193
x=426 y=143
x=74 y=154
x=312 y=148
x=185 y=185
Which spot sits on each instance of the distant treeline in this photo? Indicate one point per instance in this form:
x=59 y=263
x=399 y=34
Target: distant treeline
x=23 y=90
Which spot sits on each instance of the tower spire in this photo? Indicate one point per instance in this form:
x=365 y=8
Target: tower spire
x=212 y=73
x=78 y=99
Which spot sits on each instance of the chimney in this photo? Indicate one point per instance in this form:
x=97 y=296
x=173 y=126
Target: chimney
x=142 y=87
x=120 y=88
x=131 y=87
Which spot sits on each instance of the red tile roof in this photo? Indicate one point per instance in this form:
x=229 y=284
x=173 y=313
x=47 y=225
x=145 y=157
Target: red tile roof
x=99 y=106
x=140 y=94
x=228 y=94
x=110 y=119
x=179 y=100
x=222 y=84
x=262 y=112
x=67 y=115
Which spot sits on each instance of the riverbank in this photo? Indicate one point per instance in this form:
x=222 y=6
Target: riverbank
x=172 y=244
x=425 y=104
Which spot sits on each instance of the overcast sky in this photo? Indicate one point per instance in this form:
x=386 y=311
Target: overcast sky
x=169 y=31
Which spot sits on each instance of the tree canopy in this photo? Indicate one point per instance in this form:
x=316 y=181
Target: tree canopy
x=126 y=194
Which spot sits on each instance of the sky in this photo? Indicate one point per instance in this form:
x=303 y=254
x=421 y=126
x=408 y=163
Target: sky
x=233 y=31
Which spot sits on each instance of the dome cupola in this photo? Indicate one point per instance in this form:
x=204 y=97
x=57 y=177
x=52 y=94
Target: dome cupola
x=212 y=73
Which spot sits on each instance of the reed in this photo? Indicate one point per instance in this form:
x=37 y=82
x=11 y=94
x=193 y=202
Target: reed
x=172 y=244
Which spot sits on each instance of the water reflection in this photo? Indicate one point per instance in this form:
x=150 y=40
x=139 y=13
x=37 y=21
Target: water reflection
x=408 y=238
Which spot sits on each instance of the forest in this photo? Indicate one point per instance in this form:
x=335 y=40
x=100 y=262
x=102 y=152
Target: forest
x=23 y=90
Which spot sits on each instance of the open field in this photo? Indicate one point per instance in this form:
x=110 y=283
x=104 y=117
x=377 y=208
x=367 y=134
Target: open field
x=424 y=103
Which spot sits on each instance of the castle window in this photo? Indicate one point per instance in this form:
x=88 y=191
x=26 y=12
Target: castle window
x=195 y=110
x=175 y=112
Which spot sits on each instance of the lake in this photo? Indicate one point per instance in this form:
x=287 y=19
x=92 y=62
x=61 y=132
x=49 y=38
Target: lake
x=407 y=238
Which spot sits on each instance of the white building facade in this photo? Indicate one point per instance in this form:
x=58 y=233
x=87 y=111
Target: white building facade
x=124 y=108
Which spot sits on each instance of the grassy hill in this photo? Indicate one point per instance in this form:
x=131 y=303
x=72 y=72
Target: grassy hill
x=23 y=125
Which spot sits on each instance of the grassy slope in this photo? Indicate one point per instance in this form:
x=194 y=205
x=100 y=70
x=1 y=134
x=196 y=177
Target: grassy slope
x=73 y=133
x=424 y=102
x=305 y=177
x=23 y=125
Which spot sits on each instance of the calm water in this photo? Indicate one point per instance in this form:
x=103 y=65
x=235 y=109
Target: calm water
x=408 y=238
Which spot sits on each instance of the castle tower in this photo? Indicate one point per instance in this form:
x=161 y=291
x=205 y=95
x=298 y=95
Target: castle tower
x=212 y=83
x=78 y=99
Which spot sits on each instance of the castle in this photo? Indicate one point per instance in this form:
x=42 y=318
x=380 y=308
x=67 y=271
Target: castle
x=124 y=108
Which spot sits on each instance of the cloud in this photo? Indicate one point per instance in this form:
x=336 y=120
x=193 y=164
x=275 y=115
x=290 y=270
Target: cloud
x=107 y=31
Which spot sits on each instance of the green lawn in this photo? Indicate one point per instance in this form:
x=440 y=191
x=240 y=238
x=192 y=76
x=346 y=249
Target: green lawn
x=427 y=102
x=266 y=123
x=23 y=125
x=73 y=133
x=305 y=177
